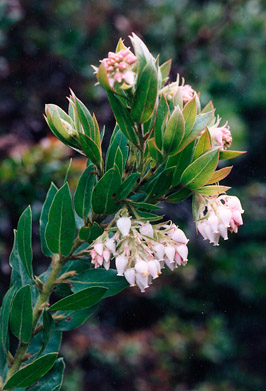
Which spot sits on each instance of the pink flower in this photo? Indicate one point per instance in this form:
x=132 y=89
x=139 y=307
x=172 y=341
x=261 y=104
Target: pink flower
x=224 y=213
x=119 y=67
x=220 y=136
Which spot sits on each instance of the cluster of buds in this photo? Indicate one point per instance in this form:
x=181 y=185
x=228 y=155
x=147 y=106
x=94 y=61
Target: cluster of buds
x=119 y=67
x=224 y=213
x=185 y=90
x=141 y=250
x=220 y=135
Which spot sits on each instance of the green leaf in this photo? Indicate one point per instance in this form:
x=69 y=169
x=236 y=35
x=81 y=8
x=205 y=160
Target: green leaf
x=147 y=216
x=162 y=184
x=174 y=132
x=189 y=113
x=224 y=155
x=127 y=185
x=154 y=151
x=85 y=118
x=37 y=342
x=24 y=233
x=202 y=120
x=119 y=160
x=80 y=300
x=117 y=140
x=146 y=93
x=203 y=144
x=44 y=218
x=141 y=51
x=106 y=191
x=48 y=327
x=74 y=319
x=91 y=149
x=212 y=190
x=160 y=122
x=123 y=118
x=209 y=107
x=178 y=196
x=180 y=161
x=165 y=70
x=107 y=279
x=91 y=232
x=5 y=311
x=83 y=194
x=200 y=170
x=19 y=274
x=29 y=374
x=219 y=175
x=53 y=380
x=21 y=314
x=61 y=229
x=145 y=205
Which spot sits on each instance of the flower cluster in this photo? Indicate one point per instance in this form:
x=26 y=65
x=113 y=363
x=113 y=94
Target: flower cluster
x=141 y=250
x=119 y=66
x=185 y=90
x=224 y=213
x=220 y=135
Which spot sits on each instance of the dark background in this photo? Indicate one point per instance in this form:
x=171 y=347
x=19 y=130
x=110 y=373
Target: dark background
x=201 y=328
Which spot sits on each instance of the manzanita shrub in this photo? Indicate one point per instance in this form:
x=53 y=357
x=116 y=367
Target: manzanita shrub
x=164 y=147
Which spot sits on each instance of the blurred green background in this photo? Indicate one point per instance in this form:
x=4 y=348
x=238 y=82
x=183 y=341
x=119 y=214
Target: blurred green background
x=201 y=328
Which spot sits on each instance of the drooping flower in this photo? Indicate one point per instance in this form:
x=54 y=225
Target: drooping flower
x=141 y=250
x=224 y=213
x=119 y=67
x=220 y=135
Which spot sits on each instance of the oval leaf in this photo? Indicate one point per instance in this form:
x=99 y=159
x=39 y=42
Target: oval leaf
x=83 y=194
x=203 y=144
x=224 y=155
x=21 y=314
x=52 y=381
x=99 y=277
x=29 y=374
x=174 y=132
x=212 y=190
x=44 y=218
x=61 y=229
x=199 y=172
x=189 y=113
x=24 y=239
x=106 y=191
x=146 y=93
x=123 y=118
x=78 y=301
x=219 y=175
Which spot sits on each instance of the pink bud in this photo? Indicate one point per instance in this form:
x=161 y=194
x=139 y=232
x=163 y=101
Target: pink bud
x=223 y=231
x=106 y=255
x=171 y=265
x=124 y=225
x=98 y=247
x=213 y=223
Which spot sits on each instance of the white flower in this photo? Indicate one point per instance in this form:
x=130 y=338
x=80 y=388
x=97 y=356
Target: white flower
x=130 y=276
x=121 y=262
x=98 y=247
x=142 y=268
x=124 y=225
x=146 y=230
x=179 y=236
